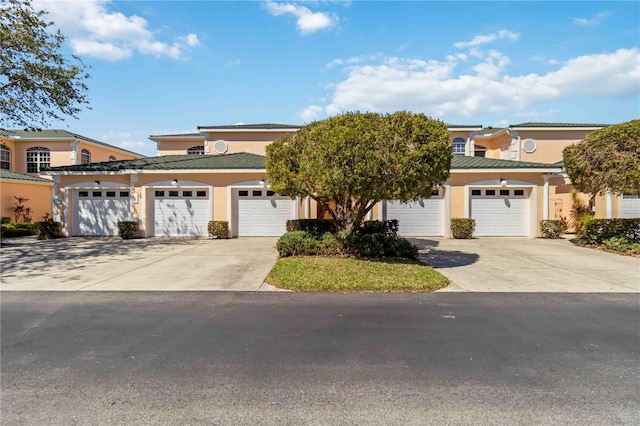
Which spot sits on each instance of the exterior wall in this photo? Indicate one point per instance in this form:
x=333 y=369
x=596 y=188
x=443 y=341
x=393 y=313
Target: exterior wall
x=494 y=144
x=38 y=194
x=549 y=143
x=100 y=153
x=60 y=153
x=178 y=146
x=252 y=142
x=12 y=146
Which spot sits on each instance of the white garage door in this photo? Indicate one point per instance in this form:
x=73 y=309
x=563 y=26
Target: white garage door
x=629 y=207
x=422 y=218
x=262 y=213
x=500 y=212
x=181 y=212
x=97 y=212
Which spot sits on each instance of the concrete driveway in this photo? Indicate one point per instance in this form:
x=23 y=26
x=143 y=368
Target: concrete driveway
x=529 y=265
x=112 y=264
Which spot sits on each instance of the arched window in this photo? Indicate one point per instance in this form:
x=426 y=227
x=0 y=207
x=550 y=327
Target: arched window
x=458 y=146
x=112 y=158
x=37 y=158
x=196 y=150
x=85 y=156
x=479 y=151
x=5 y=157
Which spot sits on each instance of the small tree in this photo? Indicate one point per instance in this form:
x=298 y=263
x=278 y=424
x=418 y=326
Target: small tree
x=350 y=162
x=608 y=159
x=37 y=82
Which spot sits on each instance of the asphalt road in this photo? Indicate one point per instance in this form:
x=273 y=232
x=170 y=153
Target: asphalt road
x=287 y=358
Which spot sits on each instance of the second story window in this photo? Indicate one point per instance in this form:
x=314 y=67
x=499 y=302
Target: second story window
x=196 y=150
x=85 y=156
x=112 y=158
x=479 y=151
x=37 y=158
x=459 y=146
x=5 y=157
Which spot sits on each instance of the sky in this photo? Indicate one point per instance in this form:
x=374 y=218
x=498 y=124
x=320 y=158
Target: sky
x=164 y=67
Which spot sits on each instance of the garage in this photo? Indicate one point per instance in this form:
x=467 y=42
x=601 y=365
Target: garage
x=97 y=212
x=629 y=207
x=500 y=212
x=181 y=212
x=421 y=218
x=262 y=213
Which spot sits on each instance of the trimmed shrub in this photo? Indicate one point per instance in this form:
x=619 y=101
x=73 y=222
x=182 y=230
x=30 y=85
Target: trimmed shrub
x=313 y=226
x=128 y=229
x=384 y=227
x=462 y=228
x=622 y=244
x=5 y=220
x=598 y=230
x=378 y=245
x=551 y=228
x=22 y=229
x=47 y=230
x=330 y=245
x=297 y=243
x=218 y=229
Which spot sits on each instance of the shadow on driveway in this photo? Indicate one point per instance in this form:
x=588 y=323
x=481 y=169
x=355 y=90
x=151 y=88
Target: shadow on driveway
x=431 y=255
x=28 y=254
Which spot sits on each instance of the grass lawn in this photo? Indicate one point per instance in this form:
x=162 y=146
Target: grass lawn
x=354 y=275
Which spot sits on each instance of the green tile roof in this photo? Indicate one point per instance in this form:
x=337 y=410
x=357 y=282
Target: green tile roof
x=7 y=174
x=489 y=131
x=241 y=161
x=4 y=132
x=467 y=162
x=266 y=126
x=557 y=125
x=463 y=126
x=193 y=135
x=247 y=161
x=62 y=134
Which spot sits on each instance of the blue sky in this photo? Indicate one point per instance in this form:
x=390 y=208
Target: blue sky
x=161 y=67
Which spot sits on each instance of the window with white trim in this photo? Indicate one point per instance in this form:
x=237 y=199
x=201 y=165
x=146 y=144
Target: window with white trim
x=459 y=145
x=479 y=151
x=196 y=150
x=85 y=156
x=5 y=157
x=37 y=158
x=112 y=158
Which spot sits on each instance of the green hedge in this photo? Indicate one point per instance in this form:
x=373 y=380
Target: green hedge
x=462 y=228
x=5 y=220
x=47 y=230
x=551 y=228
x=21 y=229
x=128 y=229
x=218 y=229
x=598 y=230
x=314 y=226
x=384 y=227
x=303 y=243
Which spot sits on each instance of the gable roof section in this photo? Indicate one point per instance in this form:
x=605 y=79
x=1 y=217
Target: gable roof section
x=7 y=174
x=237 y=161
x=464 y=162
x=60 y=134
x=252 y=162
x=6 y=133
x=269 y=127
x=564 y=126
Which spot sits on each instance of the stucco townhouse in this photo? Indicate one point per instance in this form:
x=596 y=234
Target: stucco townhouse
x=507 y=179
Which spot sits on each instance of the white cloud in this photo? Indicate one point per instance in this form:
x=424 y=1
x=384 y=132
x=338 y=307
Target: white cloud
x=433 y=88
x=133 y=145
x=310 y=113
x=487 y=38
x=93 y=30
x=595 y=20
x=308 y=22
x=234 y=62
x=352 y=60
x=113 y=134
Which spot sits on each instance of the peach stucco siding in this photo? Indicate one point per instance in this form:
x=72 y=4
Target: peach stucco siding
x=38 y=194
x=549 y=144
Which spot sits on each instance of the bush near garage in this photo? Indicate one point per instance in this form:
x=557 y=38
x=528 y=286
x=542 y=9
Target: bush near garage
x=47 y=230
x=462 y=228
x=596 y=231
x=622 y=245
x=551 y=228
x=128 y=229
x=22 y=229
x=298 y=243
x=5 y=220
x=383 y=227
x=218 y=229
x=314 y=226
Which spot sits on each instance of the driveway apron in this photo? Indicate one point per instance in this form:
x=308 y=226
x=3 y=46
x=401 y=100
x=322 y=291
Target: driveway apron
x=112 y=264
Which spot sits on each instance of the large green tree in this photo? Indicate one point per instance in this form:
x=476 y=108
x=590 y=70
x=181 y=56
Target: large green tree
x=38 y=83
x=608 y=159
x=357 y=159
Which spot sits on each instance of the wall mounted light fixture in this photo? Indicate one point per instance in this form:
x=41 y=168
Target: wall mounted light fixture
x=97 y=182
x=503 y=182
x=262 y=183
x=174 y=183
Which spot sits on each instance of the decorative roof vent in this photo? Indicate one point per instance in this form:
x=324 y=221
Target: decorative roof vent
x=220 y=147
x=529 y=146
